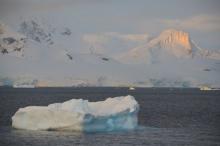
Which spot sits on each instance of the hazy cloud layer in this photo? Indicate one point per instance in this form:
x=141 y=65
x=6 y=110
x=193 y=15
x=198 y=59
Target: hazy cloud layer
x=105 y=37
x=199 y=23
x=102 y=41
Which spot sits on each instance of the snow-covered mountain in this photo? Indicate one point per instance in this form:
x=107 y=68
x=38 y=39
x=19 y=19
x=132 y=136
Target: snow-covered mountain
x=11 y=42
x=170 y=44
x=41 y=54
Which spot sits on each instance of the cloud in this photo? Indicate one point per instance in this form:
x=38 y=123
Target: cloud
x=106 y=37
x=95 y=39
x=199 y=23
x=95 y=42
x=129 y=37
x=112 y=40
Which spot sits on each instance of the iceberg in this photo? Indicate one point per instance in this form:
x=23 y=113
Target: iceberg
x=112 y=114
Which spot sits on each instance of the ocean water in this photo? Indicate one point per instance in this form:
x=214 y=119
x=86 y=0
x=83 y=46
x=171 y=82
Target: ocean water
x=168 y=116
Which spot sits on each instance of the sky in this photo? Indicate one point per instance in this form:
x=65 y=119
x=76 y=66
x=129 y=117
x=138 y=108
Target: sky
x=198 y=17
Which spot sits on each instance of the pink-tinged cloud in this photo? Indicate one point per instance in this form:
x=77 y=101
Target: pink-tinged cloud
x=200 y=23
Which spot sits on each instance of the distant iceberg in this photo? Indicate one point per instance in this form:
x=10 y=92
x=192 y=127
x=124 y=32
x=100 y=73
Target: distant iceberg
x=23 y=86
x=112 y=114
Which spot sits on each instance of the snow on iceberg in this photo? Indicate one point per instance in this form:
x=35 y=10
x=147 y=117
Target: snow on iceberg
x=118 y=113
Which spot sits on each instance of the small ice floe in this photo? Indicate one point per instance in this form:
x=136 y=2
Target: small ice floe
x=112 y=114
x=205 y=88
x=131 y=88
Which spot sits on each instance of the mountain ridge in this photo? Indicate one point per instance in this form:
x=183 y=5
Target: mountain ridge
x=170 y=59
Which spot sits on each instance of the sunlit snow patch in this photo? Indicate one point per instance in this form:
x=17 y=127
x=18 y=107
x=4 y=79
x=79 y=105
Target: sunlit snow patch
x=118 y=113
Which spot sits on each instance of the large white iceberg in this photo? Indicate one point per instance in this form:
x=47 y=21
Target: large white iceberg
x=118 y=113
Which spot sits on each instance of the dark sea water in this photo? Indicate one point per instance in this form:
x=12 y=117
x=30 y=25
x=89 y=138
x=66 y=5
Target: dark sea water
x=170 y=117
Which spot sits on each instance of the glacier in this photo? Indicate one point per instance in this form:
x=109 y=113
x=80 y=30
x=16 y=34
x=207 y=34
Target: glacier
x=112 y=114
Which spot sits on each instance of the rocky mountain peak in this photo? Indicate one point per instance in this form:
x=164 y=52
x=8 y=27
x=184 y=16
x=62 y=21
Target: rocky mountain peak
x=175 y=38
